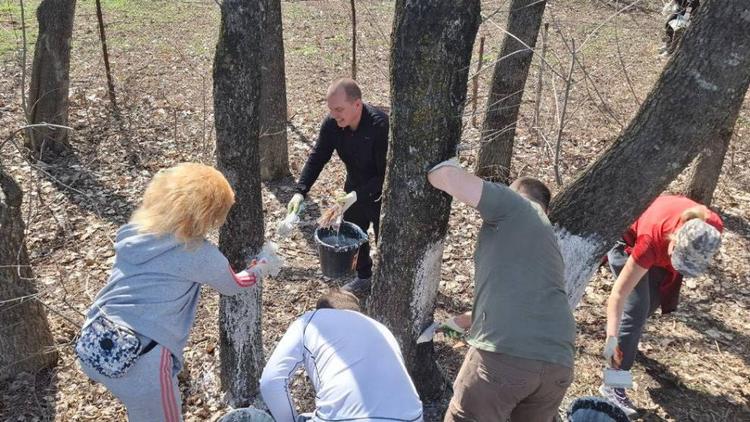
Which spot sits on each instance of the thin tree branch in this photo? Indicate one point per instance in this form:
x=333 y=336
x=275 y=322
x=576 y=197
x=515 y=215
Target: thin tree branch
x=569 y=82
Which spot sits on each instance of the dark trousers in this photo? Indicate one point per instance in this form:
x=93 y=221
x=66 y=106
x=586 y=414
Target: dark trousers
x=641 y=303
x=363 y=214
x=672 y=38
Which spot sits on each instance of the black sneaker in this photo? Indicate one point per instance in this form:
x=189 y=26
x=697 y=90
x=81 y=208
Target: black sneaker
x=358 y=286
x=618 y=397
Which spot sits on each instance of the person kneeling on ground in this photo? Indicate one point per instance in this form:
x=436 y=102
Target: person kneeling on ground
x=522 y=333
x=353 y=362
x=135 y=332
x=674 y=237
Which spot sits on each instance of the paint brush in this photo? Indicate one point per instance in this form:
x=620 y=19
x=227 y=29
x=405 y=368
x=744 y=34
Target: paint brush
x=617 y=378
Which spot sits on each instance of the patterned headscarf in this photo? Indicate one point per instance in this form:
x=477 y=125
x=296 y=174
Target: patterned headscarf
x=696 y=242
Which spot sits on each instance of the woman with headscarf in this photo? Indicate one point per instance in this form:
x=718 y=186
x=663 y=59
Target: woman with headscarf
x=674 y=237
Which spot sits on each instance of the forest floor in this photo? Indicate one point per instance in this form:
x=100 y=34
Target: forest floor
x=694 y=364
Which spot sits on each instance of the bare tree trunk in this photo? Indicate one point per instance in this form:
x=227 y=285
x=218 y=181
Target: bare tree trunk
x=354 y=40
x=506 y=92
x=237 y=95
x=430 y=57
x=274 y=158
x=26 y=343
x=707 y=167
x=697 y=96
x=105 y=56
x=50 y=77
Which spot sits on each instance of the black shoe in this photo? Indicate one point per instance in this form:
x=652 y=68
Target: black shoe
x=358 y=286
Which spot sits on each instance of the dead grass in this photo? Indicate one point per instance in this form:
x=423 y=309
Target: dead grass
x=695 y=363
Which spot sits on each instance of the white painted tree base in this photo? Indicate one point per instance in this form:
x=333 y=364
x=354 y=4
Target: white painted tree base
x=580 y=255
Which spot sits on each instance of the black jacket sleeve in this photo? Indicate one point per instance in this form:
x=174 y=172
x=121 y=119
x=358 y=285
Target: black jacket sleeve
x=319 y=157
x=372 y=188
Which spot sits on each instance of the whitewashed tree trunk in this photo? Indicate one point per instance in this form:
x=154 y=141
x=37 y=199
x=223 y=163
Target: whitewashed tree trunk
x=237 y=79
x=430 y=56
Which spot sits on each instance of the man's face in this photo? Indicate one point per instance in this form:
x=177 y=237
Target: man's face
x=346 y=113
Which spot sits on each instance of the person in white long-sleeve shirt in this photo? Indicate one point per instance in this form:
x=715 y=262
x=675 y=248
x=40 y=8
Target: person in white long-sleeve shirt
x=353 y=362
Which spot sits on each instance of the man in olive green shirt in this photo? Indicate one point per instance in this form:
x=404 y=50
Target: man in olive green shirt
x=522 y=332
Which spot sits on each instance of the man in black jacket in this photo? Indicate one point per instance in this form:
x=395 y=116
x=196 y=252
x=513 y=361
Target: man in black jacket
x=679 y=12
x=358 y=132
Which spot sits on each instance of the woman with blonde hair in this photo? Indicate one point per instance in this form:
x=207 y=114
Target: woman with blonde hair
x=674 y=237
x=135 y=332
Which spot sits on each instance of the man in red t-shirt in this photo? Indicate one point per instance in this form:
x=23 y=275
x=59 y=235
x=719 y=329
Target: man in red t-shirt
x=674 y=237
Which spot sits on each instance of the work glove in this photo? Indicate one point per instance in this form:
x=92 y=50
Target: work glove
x=268 y=262
x=285 y=227
x=451 y=162
x=451 y=329
x=346 y=200
x=295 y=204
x=670 y=8
x=612 y=353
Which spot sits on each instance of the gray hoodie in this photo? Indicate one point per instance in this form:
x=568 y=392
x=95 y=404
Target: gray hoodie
x=155 y=284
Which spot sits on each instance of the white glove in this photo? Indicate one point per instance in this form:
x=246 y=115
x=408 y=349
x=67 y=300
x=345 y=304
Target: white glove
x=295 y=204
x=451 y=162
x=610 y=348
x=670 y=8
x=268 y=261
x=452 y=325
x=287 y=225
x=347 y=200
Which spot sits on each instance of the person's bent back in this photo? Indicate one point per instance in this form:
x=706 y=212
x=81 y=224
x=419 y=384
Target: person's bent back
x=353 y=362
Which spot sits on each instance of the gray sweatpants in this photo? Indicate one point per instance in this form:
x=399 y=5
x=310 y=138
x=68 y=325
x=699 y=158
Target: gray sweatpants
x=149 y=389
x=641 y=303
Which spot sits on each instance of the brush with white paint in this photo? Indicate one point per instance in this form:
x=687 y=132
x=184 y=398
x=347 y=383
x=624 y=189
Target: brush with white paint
x=617 y=378
x=445 y=327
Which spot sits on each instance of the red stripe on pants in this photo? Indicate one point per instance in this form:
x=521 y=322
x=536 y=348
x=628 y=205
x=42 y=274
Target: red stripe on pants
x=171 y=413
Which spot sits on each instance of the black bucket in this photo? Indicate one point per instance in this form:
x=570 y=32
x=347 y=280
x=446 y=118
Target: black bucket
x=338 y=251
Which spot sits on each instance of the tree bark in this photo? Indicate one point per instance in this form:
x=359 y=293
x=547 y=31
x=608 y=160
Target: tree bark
x=50 y=77
x=698 y=95
x=237 y=95
x=26 y=342
x=506 y=92
x=706 y=170
x=430 y=56
x=354 y=40
x=274 y=159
